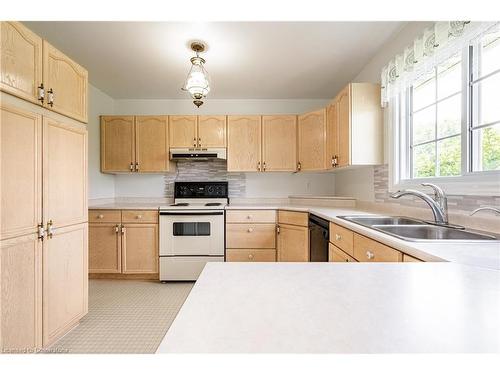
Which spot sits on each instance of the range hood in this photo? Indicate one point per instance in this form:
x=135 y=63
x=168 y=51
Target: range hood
x=197 y=153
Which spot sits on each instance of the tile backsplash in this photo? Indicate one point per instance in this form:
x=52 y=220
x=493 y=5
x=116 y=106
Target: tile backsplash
x=212 y=170
x=455 y=202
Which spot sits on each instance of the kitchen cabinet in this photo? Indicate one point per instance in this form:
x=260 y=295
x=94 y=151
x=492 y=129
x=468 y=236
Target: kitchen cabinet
x=244 y=140
x=198 y=131
x=135 y=144
x=312 y=141
x=356 y=126
x=43 y=237
x=212 y=131
x=368 y=250
x=183 y=131
x=332 y=132
x=21 y=61
x=408 y=258
x=342 y=238
x=279 y=143
x=251 y=236
x=293 y=238
x=66 y=84
x=123 y=243
x=337 y=255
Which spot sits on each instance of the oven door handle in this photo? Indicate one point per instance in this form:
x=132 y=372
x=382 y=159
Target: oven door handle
x=177 y=213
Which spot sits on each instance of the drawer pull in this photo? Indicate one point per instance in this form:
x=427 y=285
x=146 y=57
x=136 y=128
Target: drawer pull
x=338 y=237
x=370 y=255
x=250 y=230
x=138 y=217
x=100 y=216
x=250 y=256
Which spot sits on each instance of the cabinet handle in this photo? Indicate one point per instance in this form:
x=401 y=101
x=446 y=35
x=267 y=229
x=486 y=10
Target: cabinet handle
x=131 y=167
x=258 y=166
x=338 y=237
x=264 y=166
x=250 y=256
x=50 y=231
x=278 y=229
x=250 y=230
x=199 y=142
x=41 y=231
x=138 y=217
x=100 y=216
x=194 y=141
x=50 y=97
x=369 y=254
x=137 y=167
x=117 y=228
x=299 y=166
x=122 y=229
x=336 y=161
x=249 y=217
x=41 y=92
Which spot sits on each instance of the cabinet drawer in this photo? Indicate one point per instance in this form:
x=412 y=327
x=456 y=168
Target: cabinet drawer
x=140 y=216
x=105 y=216
x=251 y=216
x=409 y=258
x=368 y=250
x=293 y=218
x=251 y=236
x=342 y=238
x=251 y=255
x=337 y=255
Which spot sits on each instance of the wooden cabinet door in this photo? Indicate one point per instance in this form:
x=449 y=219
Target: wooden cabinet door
x=105 y=248
x=117 y=144
x=293 y=243
x=244 y=143
x=21 y=61
x=21 y=293
x=312 y=140
x=279 y=143
x=64 y=173
x=332 y=134
x=212 y=131
x=65 y=280
x=68 y=82
x=20 y=171
x=151 y=144
x=183 y=131
x=140 y=248
x=344 y=127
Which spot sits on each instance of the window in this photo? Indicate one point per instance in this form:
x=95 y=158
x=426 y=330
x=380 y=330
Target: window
x=452 y=116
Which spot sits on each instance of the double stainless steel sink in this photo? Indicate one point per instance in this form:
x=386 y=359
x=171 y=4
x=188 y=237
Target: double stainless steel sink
x=417 y=230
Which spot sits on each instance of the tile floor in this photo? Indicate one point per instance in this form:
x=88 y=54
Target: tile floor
x=125 y=316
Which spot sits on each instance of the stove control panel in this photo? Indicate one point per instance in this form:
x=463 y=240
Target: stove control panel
x=201 y=189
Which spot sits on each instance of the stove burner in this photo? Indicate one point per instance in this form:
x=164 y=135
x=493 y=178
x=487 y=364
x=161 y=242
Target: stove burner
x=179 y=204
x=212 y=204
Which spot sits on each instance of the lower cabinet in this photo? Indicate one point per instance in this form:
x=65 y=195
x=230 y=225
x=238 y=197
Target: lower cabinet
x=250 y=255
x=293 y=236
x=337 y=255
x=368 y=250
x=123 y=242
x=408 y=258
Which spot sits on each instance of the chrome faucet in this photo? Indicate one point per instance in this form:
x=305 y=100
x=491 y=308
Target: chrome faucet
x=486 y=208
x=438 y=204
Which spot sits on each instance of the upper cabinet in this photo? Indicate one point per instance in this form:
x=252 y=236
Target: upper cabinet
x=33 y=70
x=356 y=126
x=244 y=143
x=21 y=61
x=135 y=144
x=65 y=83
x=312 y=141
x=197 y=131
x=332 y=129
x=279 y=143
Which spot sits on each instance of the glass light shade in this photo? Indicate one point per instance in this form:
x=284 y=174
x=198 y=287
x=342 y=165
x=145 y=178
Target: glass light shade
x=197 y=82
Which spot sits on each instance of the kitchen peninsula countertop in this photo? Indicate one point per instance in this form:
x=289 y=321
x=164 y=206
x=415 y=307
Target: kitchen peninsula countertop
x=339 y=308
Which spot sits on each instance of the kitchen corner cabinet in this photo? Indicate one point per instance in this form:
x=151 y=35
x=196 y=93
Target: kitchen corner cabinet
x=244 y=141
x=123 y=242
x=312 y=141
x=34 y=70
x=135 y=144
x=355 y=131
x=293 y=236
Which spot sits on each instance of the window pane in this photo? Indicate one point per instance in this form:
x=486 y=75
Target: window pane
x=424 y=92
x=488 y=100
x=490 y=53
x=449 y=156
x=487 y=148
x=424 y=160
x=449 y=77
x=449 y=116
x=424 y=125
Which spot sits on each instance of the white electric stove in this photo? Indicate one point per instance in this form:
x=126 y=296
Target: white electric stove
x=192 y=229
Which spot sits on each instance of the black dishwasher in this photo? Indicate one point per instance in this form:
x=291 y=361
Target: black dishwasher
x=318 y=239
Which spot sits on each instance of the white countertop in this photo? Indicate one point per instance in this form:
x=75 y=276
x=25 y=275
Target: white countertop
x=339 y=308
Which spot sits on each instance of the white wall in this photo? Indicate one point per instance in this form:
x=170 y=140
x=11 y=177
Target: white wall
x=358 y=182
x=100 y=185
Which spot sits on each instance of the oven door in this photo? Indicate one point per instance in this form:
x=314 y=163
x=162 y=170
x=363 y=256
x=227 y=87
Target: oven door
x=189 y=233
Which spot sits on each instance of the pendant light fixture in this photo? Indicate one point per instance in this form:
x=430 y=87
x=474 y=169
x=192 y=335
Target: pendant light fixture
x=197 y=81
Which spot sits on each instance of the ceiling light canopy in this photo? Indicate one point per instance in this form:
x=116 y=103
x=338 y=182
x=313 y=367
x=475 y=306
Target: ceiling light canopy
x=197 y=81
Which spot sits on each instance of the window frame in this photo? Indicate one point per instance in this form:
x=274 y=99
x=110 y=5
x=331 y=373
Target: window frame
x=397 y=120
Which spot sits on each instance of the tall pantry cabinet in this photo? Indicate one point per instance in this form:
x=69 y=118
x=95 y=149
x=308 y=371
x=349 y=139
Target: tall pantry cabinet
x=43 y=205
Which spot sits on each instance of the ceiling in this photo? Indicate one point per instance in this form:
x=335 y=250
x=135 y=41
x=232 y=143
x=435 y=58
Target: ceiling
x=245 y=60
